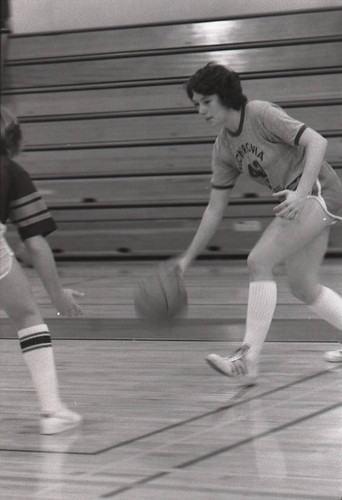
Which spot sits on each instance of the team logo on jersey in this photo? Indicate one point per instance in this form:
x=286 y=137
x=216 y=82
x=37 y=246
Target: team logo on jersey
x=255 y=168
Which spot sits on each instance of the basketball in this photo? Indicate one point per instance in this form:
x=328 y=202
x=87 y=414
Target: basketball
x=161 y=297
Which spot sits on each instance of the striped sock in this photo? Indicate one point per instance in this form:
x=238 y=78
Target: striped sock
x=328 y=306
x=262 y=300
x=35 y=343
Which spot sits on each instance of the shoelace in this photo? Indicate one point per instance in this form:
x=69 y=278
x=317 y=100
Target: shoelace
x=238 y=360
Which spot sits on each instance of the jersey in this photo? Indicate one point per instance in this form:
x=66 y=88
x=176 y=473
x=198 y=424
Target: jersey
x=266 y=148
x=21 y=202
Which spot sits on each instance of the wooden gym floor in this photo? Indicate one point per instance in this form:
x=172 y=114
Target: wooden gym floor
x=159 y=424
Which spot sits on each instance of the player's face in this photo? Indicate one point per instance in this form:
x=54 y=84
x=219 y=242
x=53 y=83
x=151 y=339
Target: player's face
x=211 y=108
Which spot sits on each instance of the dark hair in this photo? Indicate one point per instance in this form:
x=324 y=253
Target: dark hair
x=217 y=79
x=10 y=134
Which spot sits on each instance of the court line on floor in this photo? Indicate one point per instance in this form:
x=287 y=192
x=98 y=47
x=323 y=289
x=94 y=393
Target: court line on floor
x=224 y=449
x=259 y=436
x=237 y=491
x=233 y=404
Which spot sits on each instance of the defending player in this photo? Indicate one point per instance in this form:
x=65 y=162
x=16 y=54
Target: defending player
x=21 y=202
x=260 y=140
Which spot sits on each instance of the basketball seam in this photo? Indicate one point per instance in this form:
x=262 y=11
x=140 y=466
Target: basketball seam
x=167 y=303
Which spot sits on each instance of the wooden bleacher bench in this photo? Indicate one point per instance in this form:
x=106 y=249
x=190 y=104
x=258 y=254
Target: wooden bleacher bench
x=116 y=148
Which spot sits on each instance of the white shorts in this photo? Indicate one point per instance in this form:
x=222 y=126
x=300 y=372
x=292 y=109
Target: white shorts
x=330 y=199
x=6 y=254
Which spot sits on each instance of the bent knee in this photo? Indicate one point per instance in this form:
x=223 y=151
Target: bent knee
x=305 y=292
x=258 y=266
x=24 y=313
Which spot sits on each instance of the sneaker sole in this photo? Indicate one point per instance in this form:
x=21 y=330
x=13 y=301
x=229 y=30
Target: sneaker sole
x=66 y=426
x=216 y=368
x=245 y=379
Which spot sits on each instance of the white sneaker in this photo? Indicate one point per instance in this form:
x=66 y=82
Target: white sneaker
x=235 y=365
x=60 y=421
x=334 y=356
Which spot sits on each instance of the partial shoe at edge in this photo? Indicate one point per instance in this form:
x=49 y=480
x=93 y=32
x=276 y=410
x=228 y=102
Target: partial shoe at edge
x=60 y=421
x=334 y=356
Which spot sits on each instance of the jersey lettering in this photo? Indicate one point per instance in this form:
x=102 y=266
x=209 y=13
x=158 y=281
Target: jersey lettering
x=248 y=148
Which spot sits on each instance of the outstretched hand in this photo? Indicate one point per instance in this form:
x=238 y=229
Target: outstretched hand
x=66 y=303
x=291 y=207
x=176 y=264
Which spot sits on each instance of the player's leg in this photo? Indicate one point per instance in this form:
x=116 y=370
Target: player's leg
x=280 y=240
x=35 y=342
x=303 y=277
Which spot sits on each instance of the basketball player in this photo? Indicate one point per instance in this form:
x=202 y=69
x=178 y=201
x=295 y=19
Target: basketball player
x=260 y=140
x=21 y=202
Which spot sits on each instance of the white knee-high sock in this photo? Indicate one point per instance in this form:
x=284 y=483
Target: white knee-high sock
x=262 y=300
x=35 y=343
x=328 y=306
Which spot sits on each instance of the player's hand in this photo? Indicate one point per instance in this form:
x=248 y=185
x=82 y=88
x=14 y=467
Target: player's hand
x=291 y=206
x=66 y=303
x=177 y=263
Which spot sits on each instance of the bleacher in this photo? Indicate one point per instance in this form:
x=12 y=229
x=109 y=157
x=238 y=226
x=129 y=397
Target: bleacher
x=117 y=149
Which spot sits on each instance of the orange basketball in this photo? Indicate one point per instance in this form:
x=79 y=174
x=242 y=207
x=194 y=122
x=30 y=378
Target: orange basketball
x=161 y=297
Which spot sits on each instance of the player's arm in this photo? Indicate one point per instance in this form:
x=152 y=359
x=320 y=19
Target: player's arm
x=315 y=146
x=209 y=224
x=42 y=259
x=33 y=220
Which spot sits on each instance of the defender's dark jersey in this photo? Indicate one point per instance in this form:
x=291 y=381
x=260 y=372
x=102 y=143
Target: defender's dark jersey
x=21 y=202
